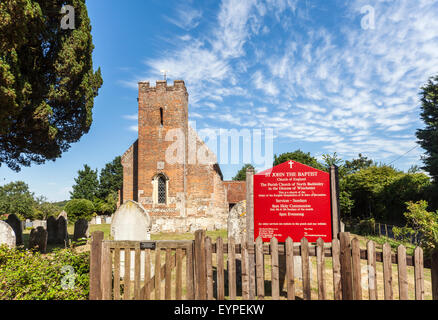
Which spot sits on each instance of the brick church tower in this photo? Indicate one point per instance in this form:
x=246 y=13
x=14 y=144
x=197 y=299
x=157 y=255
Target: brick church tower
x=158 y=169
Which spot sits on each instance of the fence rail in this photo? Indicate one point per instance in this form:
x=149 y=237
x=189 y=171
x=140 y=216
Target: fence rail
x=219 y=270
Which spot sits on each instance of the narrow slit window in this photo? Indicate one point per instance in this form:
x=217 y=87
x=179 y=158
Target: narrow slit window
x=161 y=117
x=161 y=190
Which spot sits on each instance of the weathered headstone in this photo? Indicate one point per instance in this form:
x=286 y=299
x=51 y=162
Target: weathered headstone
x=17 y=226
x=131 y=222
x=51 y=230
x=81 y=230
x=39 y=223
x=7 y=235
x=237 y=221
x=63 y=214
x=38 y=239
x=61 y=231
x=108 y=220
x=98 y=220
x=57 y=231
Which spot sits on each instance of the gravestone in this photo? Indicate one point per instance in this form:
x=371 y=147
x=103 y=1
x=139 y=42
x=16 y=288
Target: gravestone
x=98 y=220
x=29 y=224
x=237 y=221
x=131 y=222
x=38 y=239
x=51 y=230
x=63 y=214
x=39 y=223
x=17 y=226
x=108 y=220
x=81 y=230
x=7 y=235
x=61 y=231
x=57 y=231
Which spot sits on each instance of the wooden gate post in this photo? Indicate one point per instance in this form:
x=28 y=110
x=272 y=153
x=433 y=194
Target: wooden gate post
x=434 y=272
x=346 y=268
x=200 y=266
x=334 y=197
x=250 y=231
x=96 y=265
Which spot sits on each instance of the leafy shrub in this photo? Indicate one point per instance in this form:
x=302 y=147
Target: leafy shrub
x=403 y=233
x=425 y=222
x=27 y=275
x=79 y=209
x=365 y=227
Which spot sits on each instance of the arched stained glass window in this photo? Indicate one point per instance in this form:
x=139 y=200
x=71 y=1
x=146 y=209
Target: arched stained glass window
x=161 y=190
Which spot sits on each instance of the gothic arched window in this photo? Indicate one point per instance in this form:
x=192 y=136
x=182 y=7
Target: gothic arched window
x=161 y=190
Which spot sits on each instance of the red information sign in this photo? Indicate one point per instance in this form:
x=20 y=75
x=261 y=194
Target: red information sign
x=292 y=200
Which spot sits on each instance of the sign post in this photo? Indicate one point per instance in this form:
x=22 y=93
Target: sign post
x=334 y=197
x=250 y=229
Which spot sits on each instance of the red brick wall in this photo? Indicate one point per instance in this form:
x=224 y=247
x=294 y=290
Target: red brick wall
x=152 y=135
x=130 y=173
x=193 y=189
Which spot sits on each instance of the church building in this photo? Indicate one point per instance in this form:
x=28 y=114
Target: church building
x=162 y=169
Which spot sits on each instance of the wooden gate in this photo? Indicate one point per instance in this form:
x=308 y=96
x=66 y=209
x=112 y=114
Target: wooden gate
x=133 y=270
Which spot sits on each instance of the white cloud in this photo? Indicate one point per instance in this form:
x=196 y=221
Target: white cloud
x=187 y=18
x=133 y=128
x=261 y=83
x=131 y=116
x=350 y=88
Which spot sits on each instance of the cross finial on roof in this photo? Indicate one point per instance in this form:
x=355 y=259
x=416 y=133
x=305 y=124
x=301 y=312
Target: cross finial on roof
x=164 y=72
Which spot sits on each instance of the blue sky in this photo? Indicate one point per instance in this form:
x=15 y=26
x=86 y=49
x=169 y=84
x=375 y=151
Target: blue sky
x=318 y=72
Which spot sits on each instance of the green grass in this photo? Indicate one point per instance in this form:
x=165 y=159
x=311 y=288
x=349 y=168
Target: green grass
x=105 y=228
x=381 y=240
x=188 y=236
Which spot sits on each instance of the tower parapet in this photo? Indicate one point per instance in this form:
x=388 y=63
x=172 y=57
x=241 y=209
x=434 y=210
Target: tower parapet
x=144 y=86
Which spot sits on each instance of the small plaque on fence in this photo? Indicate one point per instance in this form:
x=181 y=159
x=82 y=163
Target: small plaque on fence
x=148 y=245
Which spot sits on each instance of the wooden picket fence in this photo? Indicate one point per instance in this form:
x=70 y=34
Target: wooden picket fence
x=196 y=270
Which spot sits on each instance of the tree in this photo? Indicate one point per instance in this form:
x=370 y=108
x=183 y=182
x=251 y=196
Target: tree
x=428 y=137
x=299 y=156
x=381 y=192
x=45 y=209
x=47 y=81
x=365 y=188
x=111 y=178
x=358 y=164
x=423 y=222
x=414 y=169
x=411 y=187
x=241 y=174
x=87 y=184
x=79 y=209
x=107 y=205
x=15 y=198
x=332 y=160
